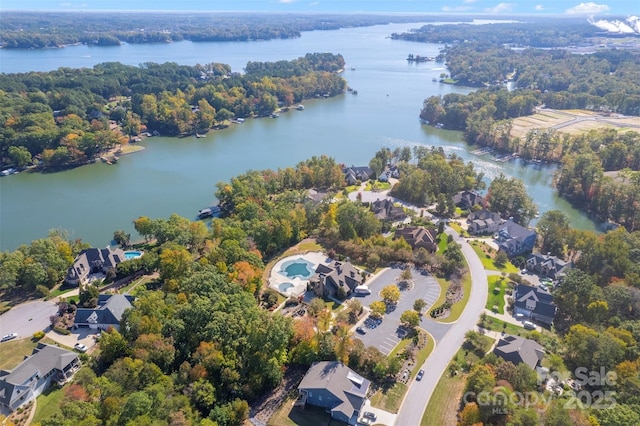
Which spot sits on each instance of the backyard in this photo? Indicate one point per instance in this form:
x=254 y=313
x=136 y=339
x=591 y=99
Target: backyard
x=487 y=256
x=496 y=288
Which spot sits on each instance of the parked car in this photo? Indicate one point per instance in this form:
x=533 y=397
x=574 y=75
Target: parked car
x=80 y=347
x=9 y=337
x=529 y=325
x=361 y=330
x=420 y=375
x=370 y=415
x=365 y=421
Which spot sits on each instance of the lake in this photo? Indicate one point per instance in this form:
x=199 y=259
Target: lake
x=174 y=175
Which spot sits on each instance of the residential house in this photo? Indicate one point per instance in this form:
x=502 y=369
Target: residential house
x=338 y=279
x=548 y=266
x=419 y=237
x=515 y=239
x=467 y=199
x=354 y=174
x=317 y=197
x=91 y=261
x=107 y=314
x=389 y=172
x=535 y=303
x=46 y=365
x=483 y=222
x=335 y=387
x=519 y=350
x=385 y=210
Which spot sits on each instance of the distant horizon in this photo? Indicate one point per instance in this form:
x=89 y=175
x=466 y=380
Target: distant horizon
x=559 y=8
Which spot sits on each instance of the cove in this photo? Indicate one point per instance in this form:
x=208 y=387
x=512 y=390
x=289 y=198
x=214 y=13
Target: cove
x=174 y=175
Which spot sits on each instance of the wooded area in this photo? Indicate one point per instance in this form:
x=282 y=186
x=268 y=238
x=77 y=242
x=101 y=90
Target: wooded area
x=61 y=118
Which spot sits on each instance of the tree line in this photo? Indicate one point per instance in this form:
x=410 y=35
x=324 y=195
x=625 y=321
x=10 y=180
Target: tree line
x=61 y=118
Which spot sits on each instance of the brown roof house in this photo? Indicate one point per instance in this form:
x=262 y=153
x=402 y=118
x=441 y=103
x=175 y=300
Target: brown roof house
x=335 y=387
x=519 y=350
x=483 y=222
x=338 y=279
x=45 y=366
x=92 y=261
x=385 y=210
x=419 y=237
x=467 y=199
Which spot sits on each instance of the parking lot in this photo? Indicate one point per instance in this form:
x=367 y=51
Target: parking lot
x=386 y=334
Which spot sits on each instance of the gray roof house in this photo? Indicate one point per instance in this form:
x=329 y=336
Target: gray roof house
x=329 y=279
x=362 y=173
x=47 y=364
x=515 y=239
x=535 y=303
x=337 y=388
x=483 y=222
x=419 y=237
x=467 y=199
x=107 y=314
x=519 y=350
x=93 y=260
x=548 y=266
x=385 y=210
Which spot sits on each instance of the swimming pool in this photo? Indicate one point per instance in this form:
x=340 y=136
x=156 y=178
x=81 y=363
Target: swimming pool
x=297 y=268
x=285 y=286
x=132 y=254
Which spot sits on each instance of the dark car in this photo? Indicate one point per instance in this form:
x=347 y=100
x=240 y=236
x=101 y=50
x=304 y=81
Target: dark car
x=361 y=330
x=419 y=375
x=369 y=415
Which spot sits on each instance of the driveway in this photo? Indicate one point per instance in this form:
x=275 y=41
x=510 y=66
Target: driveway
x=27 y=318
x=80 y=335
x=386 y=335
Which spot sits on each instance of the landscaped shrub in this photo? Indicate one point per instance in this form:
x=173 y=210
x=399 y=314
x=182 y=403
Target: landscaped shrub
x=42 y=291
x=38 y=335
x=61 y=330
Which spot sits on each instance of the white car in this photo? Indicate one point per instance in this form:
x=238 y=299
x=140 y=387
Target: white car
x=529 y=325
x=9 y=337
x=80 y=347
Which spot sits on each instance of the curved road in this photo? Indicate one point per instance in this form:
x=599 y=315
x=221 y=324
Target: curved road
x=419 y=393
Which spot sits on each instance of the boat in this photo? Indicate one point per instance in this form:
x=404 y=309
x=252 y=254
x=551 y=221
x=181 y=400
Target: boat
x=275 y=115
x=200 y=136
x=209 y=212
x=239 y=120
x=300 y=107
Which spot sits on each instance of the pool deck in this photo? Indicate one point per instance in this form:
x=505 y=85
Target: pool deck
x=277 y=277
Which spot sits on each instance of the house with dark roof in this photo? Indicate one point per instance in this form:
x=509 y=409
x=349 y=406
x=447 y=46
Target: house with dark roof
x=483 y=222
x=335 y=387
x=107 y=314
x=385 y=210
x=467 y=199
x=535 y=303
x=92 y=261
x=336 y=279
x=354 y=174
x=46 y=365
x=515 y=239
x=549 y=266
x=518 y=350
x=418 y=236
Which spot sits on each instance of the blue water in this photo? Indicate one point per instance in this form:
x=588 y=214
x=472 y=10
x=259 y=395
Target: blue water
x=285 y=286
x=297 y=268
x=132 y=254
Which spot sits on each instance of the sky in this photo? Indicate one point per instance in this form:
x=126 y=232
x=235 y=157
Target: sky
x=492 y=7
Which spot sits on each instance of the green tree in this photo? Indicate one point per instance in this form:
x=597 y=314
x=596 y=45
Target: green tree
x=410 y=318
x=122 y=238
x=419 y=305
x=378 y=308
x=19 y=155
x=390 y=294
x=509 y=197
x=552 y=228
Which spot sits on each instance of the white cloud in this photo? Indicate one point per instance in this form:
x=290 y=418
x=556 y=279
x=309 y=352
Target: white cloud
x=588 y=8
x=499 y=8
x=539 y=7
x=286 y=1
x=469 y=1
x=455 y=8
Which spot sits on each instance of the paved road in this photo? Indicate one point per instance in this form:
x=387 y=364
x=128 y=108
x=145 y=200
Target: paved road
x=419 y=393
x=27 y=318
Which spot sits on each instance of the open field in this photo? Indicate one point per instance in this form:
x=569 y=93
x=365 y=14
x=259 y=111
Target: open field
x=445 y=401
x=571 y=121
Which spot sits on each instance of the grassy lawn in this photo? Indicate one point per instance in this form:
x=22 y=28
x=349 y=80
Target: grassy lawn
x=442 y=243
x=48 y=403
x=496 y=298
x=390 y=399
x=456 y=227
x=287 y=415
x=377 y=186
x=142 y=281
x=495 y=324
x=486 y=255
x=14 y=351
x=444 y=402
x=59 y=291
